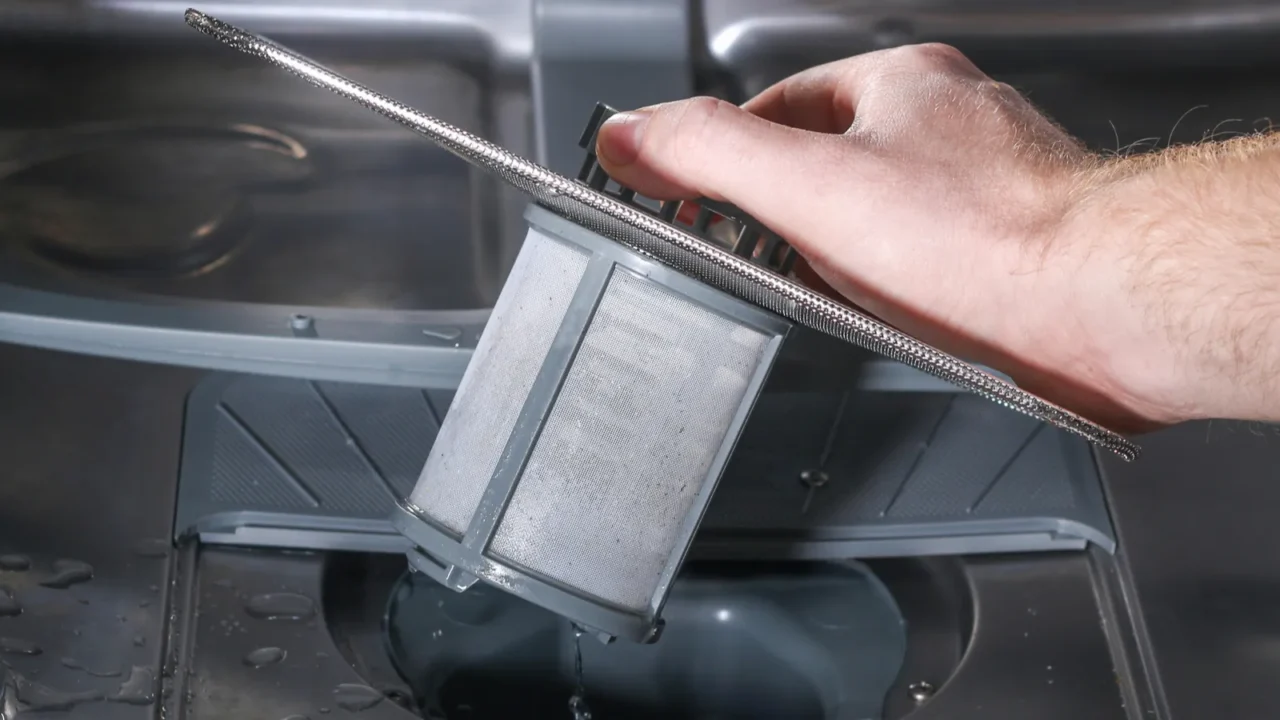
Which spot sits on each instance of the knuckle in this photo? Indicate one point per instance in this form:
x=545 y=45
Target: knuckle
x=697 y=115
x=689 y=126
x=942 y=52
x=934 y=56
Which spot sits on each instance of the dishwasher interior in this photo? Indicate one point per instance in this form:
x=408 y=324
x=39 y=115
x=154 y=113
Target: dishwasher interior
x=188 y=544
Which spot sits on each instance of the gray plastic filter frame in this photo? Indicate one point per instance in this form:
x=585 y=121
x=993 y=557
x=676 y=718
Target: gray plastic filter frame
x=458 y=562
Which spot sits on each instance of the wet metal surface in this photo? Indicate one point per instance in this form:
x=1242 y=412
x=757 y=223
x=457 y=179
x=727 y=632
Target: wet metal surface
x=1198 y=524
x=267 y=667
x=90 y=452
x=252 y=186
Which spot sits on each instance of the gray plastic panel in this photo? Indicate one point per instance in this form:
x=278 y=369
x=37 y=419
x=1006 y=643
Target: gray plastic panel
x=403 y=347
x=906 y=474
x=295 y=463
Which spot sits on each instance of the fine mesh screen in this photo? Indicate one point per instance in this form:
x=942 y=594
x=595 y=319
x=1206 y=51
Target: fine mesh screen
x=643 y=411
x=510 y=352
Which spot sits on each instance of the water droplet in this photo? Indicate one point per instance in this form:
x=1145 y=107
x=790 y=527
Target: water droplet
x=578 y=707
x=18 y=646
x=73 y=664
x=921 y=691
x=399 y=697
x=324 y=711
x=139 y=641
x=138 y=689
x=578 y=700
x=297 y=717
x=355 y=698
x=437 y=634
x=152 y=548
x=301 y=322
x=281 y=606
x=9 y=605
x=154 y=588
x=15 y=563
x=814 y=478
x=446 y=333
x=67 y=573
x=264 y=656
x=32 y=697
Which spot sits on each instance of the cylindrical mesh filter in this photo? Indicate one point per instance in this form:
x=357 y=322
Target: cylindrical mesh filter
x=514 y=345
x=589 y=431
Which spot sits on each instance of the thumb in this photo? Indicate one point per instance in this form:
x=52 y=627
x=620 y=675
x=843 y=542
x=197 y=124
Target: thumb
x=712 y=148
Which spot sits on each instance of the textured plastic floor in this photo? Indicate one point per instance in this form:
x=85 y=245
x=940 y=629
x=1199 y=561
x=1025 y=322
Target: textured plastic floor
x=269 y=461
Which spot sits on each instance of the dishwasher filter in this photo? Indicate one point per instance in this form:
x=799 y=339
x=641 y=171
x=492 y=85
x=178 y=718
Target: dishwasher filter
x=590 y=430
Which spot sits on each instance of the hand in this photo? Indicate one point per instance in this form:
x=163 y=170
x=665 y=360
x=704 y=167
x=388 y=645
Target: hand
x=945 y=204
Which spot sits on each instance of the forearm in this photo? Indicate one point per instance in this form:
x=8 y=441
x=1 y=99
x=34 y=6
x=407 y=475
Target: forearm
x=1195 y=234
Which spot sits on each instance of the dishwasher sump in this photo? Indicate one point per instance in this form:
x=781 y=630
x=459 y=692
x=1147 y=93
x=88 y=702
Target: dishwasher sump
x=793 y=640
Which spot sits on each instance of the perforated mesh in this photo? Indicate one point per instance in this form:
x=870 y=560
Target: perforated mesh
x=635 y=429
x=515 y=341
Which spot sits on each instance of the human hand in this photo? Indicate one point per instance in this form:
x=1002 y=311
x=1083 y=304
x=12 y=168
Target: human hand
x=945 y=204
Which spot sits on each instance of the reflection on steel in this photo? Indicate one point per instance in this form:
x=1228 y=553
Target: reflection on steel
x=751 y=37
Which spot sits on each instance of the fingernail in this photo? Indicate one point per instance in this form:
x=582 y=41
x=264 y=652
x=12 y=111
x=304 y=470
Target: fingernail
x=620 y=136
